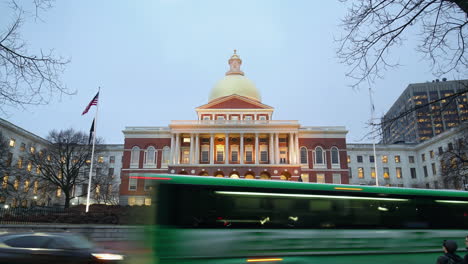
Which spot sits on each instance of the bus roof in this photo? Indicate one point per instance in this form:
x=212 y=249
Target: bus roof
x=210 y=180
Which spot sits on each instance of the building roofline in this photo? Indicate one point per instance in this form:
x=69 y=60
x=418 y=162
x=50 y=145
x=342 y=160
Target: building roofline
x=22 y=131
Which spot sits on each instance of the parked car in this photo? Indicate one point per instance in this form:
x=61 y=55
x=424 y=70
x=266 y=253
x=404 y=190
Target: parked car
x=49 y=248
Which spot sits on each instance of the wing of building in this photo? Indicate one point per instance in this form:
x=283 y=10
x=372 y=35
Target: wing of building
x=234 y=136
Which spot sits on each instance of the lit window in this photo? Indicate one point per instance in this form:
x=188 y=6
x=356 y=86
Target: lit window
x=20 y=162
x=26 y=185
x=304 y=155
x=372 y=172
x=186 y=140
x=148 y=201
x=131 y=201
x=29 y=167
x=219 y=153
x=32 y=149
x=100 y=159
x=22 y=147
x=320 y=178
x=166 y=155
x=16 y=184
x=12 y=142
x=360 y=171
x=386 y=173
x=5 y=182
x=348 y=159
x=38 y=169
x=98 y=189
x=384 y=159
x=59 y=192
x=36 y=187
x=398 y=173
x=397 y=159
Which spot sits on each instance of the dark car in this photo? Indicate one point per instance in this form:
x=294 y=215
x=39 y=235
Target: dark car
x=52 y=248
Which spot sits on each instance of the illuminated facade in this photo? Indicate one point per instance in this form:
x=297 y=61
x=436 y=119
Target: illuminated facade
x=234 y=136
x=426 y=121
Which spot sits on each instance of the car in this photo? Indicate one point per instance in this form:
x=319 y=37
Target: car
x=50 y=248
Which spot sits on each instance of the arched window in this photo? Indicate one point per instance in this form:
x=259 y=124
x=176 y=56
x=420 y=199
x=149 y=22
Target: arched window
x=304 y=155
x=135 y=157
x=319 y=155
x=334 y=156
x=166 y=155
x=150 y=156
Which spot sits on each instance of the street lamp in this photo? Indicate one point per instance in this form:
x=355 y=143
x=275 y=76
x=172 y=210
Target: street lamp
x=6 y=206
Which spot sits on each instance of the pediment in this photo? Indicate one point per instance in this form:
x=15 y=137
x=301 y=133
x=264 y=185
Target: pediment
x=234 y=102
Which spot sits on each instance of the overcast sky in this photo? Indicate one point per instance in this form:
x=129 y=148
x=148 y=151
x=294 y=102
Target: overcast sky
x=155 y=61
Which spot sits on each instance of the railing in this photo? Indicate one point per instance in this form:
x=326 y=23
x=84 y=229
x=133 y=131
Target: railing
x=234 y=122
x=98 y=214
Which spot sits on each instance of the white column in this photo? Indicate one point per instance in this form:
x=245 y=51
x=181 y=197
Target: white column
x=212 y=149
x=271 y=149
x=197 y=149
x=277 y=156
x=241 y=151
x=290 y=148
x=171 y=160
x=226 y=150
x=296 y=148
x=257 y=150
x=177 y=155
x=192 y=149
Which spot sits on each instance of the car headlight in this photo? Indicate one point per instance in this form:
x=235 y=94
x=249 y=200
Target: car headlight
x=107 y=256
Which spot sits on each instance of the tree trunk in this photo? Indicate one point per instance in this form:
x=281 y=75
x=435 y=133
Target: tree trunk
x=67 y=200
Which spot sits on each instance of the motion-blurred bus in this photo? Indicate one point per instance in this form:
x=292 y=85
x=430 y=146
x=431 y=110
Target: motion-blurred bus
x=219 y=220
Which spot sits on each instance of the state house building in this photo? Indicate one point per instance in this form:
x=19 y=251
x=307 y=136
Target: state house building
x=234 y=136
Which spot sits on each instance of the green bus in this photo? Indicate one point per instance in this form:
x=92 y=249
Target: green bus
x=220 y=220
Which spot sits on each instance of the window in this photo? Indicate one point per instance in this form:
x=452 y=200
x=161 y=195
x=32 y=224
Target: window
x=100 y=159
x=32 y=149
x=22 y=147
x=413 y=173
x=320 y=178
x=219 y=153
x=319 y=155
x=148 y=185
x=411 y=159
x=186 y=140
x=433 y=169
x=132 y=184
x=20 y=162
x=372 y=172
x=398 y=173
x=350 y=172
x=360 y=171
x=371 y=159
x=150 y=156
x=147 y=201
x=423 y=157
x=185 y=159
x=431 y=154
x=386 y=173
x=384 y=159
x=206 y=118
x=9 y=159
x=205 y=153
x=304 y=155
x=262 y=118
x=110 y=172
x=35 y=187
x=247 y=117
x=135 y=157
x=166 y=155
x=263 y=153
x=348 y=159
x=29 y=166
x=12 y=142
x=397 y=159
x=359 y=159
x=84 y=189
x=249 y=153
x=425 y=171
x=234 y=153
x=234 y=117
x=336 y=178
x=131 y=201
x=112 y=159
x=450 y=146
x=220 y=118
x=428 y=185
x=441 y=151
x=5 y=181
x=334 y=156
x=59 y=192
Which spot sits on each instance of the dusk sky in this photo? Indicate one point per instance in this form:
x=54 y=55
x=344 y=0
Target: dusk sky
x=155 y=61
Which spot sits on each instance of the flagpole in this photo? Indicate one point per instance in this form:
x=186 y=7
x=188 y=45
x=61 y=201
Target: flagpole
x=373 y=138
x=92 y=153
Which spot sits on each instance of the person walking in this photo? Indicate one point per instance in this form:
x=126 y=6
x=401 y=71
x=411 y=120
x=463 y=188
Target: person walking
x=449 y=247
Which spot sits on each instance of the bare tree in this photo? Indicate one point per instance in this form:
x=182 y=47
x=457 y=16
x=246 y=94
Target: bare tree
x=454 y=162
x=27 y=78
x=373 y=28
x=63 y=163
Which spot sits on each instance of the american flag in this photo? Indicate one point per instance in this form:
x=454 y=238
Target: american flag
x=93 y=102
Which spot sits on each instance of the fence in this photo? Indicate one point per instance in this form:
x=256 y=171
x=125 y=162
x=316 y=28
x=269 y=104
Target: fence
x=98 y=214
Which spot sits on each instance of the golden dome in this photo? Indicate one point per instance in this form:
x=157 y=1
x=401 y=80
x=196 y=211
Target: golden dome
x=235 y=83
